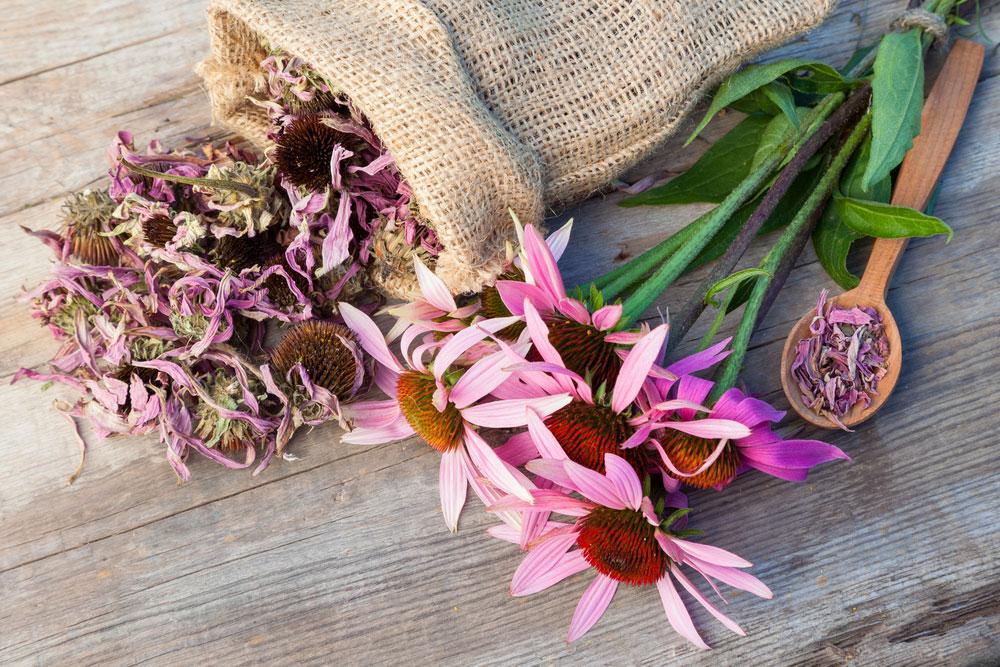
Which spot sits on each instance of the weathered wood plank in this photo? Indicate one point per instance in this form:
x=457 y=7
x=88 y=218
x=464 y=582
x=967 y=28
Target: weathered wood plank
x=342 y=553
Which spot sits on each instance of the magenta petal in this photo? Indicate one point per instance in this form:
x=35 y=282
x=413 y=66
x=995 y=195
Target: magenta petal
x=694 y=389
x=677 y=613
x=452 y=486
x=574 y=310
x=732 y=576
x=701 y=360
x=750 y=411
x=518 y=450
x=542 y=265
x=595 y=600
x=710 y=554
x=792 y=454
x=369 y=335
x=570 y=563
x=540 y=560
x=514 y=293
x=492 y=467
x=607 y=317
x=552 y=470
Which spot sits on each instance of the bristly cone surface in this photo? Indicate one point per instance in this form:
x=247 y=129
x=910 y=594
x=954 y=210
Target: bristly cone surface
x=304 y=150
x=583 y=349
x=493 y=305
x=158 y=230
x=688 y=452
x=317 y=345
x=242 y=252
x=277 y=287
x=587 y=432
x=85 y=217
x=441 y=430
x=622 y=545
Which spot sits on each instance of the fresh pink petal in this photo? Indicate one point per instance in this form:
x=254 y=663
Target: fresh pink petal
x=559 y=239
x=626 y=482
x=511 y=413
x=792 y=453
x=708 y=428
x=492 y=467
x=540 y=560
x=518 y=450
x=607 y=317
x=640 y=436
x=539 y=334
x=465 y=339
x=623 y=337
x=574 y=310
x=593 y=485
x=511 y=534
x=677 y=613
x=480 y=380
x=453 y=487
x=750 y=411
x=546 y=443
x=705 y=465
x=695 y=390
x=433 y=288
x=732 y=576
x=666 y=543
x=701 y=360
x=542 y=265
x=369 y=336
x=710 y=554
x=595 y=600
x=679 y=404
x=397 y=430
x=569 y=564
x=372 y=414
x=514 y=293
x=649 y=512
x=552 y=470
x=696 y=594
x=787 y=474
x=636 y=368
x=545 y=499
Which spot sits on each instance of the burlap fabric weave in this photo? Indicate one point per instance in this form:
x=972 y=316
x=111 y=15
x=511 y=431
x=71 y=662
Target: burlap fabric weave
x=489 y=104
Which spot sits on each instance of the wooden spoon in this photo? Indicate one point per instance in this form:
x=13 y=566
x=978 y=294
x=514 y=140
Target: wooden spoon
x=944 y=111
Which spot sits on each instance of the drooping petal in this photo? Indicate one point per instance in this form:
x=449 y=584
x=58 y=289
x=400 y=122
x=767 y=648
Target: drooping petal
x=592 y=605
x=369 y=336
x=750 y=411
x=552 y=470
x=792 y=454
x=709 y=428
x=701 y=360
x=732 y=576
x=512 y=535
x=512 y=412
x=696 y=594
x=542 y=264
x=452 y=487
x=514 y=293
x=540 y=560
x=570 y=563
x=518 y=450
x=544 y=499
x=559 y=239
x=640 y=436
x=677 y=613
x=574 y=310
x=636 y=368
x=546 y=443
x=623 y=476
x=481 y=379
x=593 y=485
x=433 y=288
x=710 y=554
x=397 y=430
x=492 y=467
x=694 y=389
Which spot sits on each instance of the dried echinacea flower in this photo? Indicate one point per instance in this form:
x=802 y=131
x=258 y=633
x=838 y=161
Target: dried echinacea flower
x=158 y=230
x=85 y=219
x=242 y=252
x=841 y=364
x=327 y=352
x=278 y=289
x=218 y=431
x=304 y=151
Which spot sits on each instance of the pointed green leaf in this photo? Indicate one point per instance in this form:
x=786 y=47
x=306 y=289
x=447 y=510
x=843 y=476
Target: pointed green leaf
x=897 y=100
x=832 y=241
x=887 y=221
x=730 y=281
x=715 y=174
x=744 y=82
x=781 y=96
x=778 y=130
x=821 y=80
x=851 y=181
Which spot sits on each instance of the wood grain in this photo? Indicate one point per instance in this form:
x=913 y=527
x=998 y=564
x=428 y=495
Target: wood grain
x=341 y=556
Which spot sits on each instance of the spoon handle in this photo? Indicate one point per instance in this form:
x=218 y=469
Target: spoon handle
x=942 y=117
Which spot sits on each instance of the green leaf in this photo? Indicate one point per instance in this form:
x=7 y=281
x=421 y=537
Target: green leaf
x=778 y=130
x=715 y=174
x=747 y=80
x=731 y=281
x=851 y=181
x=674 y=516
x=781 y=95
x=742 y=295
x=747 y=104
x=832 y=241
x=856 y=57
x=887 y=221
x=822 y=80
x=897 y=100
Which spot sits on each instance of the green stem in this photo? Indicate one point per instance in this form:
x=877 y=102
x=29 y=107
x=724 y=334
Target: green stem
x=213 y=183
x=734 y=363
x=717 y=322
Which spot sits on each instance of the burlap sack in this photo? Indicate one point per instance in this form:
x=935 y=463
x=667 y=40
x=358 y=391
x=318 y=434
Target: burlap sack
x=490 y=104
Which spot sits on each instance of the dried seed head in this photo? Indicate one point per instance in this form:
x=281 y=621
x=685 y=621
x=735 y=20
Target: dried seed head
x=441 y=430
x=587 y=432
x=392 y=257
x=229 y=435
x=304 y=150
x=278 y=290
x=85 y=216
x=242 y=252
x=583 y=349
x=158 y=230
x=622 y=545
x=328 y=352
x=688 y=453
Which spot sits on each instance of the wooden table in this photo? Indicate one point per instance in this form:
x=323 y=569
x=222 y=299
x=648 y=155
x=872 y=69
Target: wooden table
x=341 y=556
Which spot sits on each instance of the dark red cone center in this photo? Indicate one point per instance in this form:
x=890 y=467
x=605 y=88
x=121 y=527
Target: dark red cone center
x=587 y=432
x=622 y=545
x=583 y=349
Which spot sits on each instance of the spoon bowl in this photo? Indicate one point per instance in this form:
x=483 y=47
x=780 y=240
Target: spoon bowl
x=942 y=117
